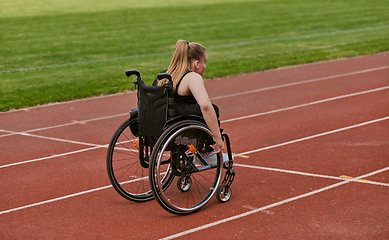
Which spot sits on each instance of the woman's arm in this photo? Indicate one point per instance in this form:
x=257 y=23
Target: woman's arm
x=196 y=86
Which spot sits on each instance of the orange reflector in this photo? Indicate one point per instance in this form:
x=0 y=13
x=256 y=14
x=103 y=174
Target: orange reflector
x=192 y=149
x=136 y=143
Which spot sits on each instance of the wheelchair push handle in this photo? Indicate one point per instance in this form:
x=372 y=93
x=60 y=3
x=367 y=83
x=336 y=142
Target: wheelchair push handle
x=164 y=75
x=132 y=72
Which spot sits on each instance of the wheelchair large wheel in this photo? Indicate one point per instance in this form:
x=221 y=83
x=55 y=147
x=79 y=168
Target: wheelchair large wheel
x=196 y=181
x=126 y=173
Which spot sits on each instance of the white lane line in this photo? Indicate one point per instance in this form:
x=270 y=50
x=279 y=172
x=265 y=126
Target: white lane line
x=271 y=206
x=54 y=200
x=256 y=150
x=53 y=139
x=213 y=98
x=65 y=124
x=306 y=104
x=245 y=153
x=239 y=154
x=302 y=82
x=223 y=121
x=67 y=102
x=309 y=174
x=6 y=135
x=53 y=156
x=67 y=196
x=315 y=136
x=288 y=171
x=63 y=154
x=84 y=121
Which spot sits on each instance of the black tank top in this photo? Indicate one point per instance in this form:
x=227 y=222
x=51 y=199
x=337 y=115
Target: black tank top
x=189 y=99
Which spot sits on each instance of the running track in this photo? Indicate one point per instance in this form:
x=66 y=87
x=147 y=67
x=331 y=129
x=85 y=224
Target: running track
x=312 y=162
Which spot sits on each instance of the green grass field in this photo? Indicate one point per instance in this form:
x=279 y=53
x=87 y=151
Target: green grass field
x=52 y=51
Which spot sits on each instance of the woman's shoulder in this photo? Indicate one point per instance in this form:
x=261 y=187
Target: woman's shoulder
x=192 y=80
x=192 y=76
x=189 y=83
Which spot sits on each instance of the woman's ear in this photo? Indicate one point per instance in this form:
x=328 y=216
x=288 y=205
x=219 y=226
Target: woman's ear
x=197 y=64
x=194 y=65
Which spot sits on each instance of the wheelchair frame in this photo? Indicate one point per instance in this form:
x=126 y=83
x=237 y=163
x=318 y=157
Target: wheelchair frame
x=136 y=156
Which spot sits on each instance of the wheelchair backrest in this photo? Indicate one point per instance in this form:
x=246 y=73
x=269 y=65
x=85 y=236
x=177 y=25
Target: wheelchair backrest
x=155 y=107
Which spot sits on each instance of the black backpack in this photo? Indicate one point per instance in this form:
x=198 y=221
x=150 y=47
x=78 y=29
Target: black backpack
x=155 y=108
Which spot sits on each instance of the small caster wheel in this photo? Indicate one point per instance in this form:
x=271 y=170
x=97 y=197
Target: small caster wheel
x=184 y=183
x=223 y=193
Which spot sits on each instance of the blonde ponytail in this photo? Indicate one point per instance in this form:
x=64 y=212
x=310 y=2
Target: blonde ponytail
x=183 y=54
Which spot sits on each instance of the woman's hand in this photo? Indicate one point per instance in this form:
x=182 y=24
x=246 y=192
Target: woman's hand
x=218 y=146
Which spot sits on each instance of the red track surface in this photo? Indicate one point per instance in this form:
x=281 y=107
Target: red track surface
x=312 y=162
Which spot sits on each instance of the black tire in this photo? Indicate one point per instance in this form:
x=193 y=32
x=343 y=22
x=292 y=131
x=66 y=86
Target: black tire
x=224 y=193
x=184 y=183
x=204 y=178
x=125 y=171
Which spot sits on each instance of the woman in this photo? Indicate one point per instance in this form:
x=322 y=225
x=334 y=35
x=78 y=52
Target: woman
x=190 y=97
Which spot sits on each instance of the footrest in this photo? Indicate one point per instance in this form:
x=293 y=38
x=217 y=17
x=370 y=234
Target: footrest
x=229 y=177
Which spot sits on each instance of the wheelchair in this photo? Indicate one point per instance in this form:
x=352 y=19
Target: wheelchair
x=156 y=154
